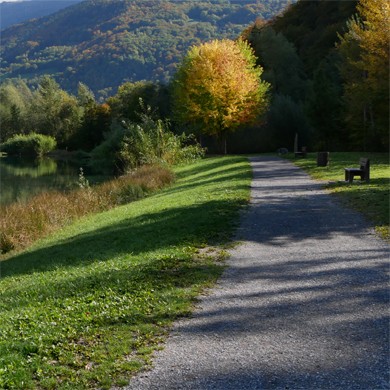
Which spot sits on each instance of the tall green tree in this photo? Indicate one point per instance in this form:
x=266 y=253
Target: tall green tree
x=285 y=119
x=274 y=53
x=126 y=103
x=85 y=97
x=284 y=70
x=15 y=100
x=365 y=68
x=95 y=121
x=218 y=88
x=54 y=112
x=325 y=105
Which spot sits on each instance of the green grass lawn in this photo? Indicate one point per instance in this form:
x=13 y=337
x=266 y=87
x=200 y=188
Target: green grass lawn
x=371 y=199
x=85 y=308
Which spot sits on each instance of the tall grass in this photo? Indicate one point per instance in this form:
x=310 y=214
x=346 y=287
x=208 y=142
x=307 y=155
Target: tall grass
x=23 y=223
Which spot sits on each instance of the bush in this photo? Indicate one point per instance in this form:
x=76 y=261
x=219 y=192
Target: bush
x=30 y=145
x=151 y=142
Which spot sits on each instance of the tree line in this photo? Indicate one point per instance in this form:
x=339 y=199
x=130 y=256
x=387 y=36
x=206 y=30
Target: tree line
x=328 y=84
x=232 y=96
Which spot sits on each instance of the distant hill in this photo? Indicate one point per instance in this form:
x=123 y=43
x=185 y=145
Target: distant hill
x=104 y=43
x=20 y=11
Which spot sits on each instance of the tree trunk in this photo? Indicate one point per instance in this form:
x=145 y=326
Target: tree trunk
x=364 y=128
x=296 y=143
x=222 y=139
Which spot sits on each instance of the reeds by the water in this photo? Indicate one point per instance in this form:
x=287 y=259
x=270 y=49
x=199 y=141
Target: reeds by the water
x=23 y=223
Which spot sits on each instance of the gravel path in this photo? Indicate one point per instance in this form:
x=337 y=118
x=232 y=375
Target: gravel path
x=303 y=304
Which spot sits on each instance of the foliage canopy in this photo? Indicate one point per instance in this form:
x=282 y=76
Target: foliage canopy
x=218 y=87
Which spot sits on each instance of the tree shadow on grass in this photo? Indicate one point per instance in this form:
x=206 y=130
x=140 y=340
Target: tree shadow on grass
x=208 y=165
x=279 y=220
x=134 y=236
x=147 y=232
x=106 y=283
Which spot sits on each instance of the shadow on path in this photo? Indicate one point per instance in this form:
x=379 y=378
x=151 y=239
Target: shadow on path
x=304 y=303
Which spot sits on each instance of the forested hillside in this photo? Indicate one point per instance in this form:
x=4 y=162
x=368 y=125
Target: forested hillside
x=104 y=43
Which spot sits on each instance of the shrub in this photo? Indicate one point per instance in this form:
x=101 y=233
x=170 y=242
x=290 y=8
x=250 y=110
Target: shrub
x=29 y=145
x=150 y=142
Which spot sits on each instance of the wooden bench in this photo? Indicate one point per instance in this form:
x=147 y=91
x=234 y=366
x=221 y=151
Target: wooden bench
x=303 y=152
x=363 y=171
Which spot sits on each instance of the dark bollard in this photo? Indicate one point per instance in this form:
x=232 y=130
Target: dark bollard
x=322 y=159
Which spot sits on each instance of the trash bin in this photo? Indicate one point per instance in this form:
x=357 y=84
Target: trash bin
x=322 y=159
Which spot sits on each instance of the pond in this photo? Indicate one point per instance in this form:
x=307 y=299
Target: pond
x=21 y=179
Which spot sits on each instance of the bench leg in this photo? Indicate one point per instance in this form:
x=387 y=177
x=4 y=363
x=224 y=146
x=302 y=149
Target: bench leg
x=348 y=176
x=351 y=173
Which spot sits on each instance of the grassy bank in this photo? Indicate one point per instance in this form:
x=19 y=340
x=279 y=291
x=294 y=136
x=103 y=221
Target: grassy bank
x=23 y=223
x=86 y=307
x=371 y=199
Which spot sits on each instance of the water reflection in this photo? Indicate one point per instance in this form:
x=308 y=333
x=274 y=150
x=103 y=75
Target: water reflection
x=21 y=179
x=19 y=167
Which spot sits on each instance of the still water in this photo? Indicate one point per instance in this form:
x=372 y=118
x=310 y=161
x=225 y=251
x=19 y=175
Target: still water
x=22 y=179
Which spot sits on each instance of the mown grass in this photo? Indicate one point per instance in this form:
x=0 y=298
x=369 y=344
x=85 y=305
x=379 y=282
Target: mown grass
x=371 y=199
x=85 y=308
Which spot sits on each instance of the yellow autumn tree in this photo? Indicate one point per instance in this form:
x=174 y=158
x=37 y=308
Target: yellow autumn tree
x=218 y=88
x=365 y=50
